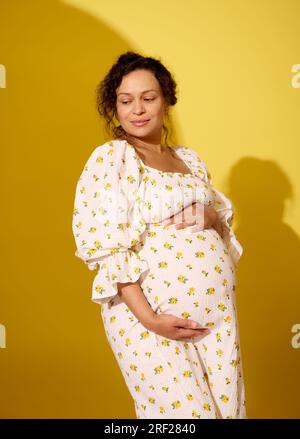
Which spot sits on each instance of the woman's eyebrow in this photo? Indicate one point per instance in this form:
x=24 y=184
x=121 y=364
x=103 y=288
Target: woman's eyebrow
x=142 y=92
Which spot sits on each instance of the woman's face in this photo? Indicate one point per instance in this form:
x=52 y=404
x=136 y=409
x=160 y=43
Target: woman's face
x=139 y=97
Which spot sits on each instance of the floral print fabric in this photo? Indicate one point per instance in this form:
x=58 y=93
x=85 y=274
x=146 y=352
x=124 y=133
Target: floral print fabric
x=118 y=224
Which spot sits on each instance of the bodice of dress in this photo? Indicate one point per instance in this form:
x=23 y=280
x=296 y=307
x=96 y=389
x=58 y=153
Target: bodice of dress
x=164 y=194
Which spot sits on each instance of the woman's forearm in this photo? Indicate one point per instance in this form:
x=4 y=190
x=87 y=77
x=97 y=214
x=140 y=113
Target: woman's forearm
x=133 y=296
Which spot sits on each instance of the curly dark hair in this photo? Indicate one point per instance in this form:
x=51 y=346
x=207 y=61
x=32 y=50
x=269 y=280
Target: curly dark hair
x=106 y=90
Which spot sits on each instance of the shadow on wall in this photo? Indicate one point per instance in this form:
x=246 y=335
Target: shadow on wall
x=54 y=57
x=268 y=285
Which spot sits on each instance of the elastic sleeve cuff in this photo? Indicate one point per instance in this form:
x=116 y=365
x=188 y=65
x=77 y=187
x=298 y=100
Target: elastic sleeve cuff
x=126 y=266
x=224 y=210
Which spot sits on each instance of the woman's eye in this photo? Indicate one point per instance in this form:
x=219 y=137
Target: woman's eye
x=146 y=99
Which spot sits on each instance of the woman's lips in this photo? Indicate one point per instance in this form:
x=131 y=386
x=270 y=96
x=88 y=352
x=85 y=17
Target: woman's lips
x=139 y=124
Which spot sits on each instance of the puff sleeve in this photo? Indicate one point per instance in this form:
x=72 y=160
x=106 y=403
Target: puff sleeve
x=107 y=221
x=225 y=211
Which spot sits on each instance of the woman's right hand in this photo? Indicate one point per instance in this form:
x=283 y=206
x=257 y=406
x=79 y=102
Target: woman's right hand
x=175 y=328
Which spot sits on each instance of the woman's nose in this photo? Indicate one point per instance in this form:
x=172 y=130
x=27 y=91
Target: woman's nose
x=138 y=107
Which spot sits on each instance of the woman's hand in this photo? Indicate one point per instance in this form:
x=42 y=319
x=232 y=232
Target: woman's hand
x=202 y=215
x=175 y=328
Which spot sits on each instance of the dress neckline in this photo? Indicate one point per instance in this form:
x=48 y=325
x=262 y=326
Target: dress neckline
x=159 y=170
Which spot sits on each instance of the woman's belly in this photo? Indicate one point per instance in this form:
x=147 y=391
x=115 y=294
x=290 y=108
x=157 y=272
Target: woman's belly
x=191 y=274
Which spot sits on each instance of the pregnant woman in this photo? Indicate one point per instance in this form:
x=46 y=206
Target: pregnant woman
x=160 y=238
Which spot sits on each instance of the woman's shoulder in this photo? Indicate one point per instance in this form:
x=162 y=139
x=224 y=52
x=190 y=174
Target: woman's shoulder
x=116 y=156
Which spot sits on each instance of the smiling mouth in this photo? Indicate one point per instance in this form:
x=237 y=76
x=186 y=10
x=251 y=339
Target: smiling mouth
x=139 y=122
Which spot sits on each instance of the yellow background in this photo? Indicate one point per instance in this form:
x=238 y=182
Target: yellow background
x=238 y=106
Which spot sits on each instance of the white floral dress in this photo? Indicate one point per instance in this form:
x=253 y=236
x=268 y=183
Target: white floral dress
x=120 y=207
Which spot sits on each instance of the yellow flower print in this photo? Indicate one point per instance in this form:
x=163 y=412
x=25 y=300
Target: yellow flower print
x=201 y=237
x=120 y=355
x=165 y=342
x=156 y=299
x=148 y=205
x=175 y=379
x=165 y=389
x=195 y=414
x=189 y=397
x=188 y=240
x=182 y=278
x=200 y=254
x=151 y=400
x=99 y=159
x=191 y=291
x=210 y=324
x=196 y=304
x=219 y=366
x=227 y=319
x=187 y=373
x=127 y=342
x=218 y=337
x=228 y=380
x=219 y=352
x=222 y=306
x=207 y=310
x=92 y=251
x=143 y=407
x=135 y=353
x=168 y=187
x=210 y=291
x=137 y=388
x=169 y=364
x=189 y=266
x=224 y=398
x=107 y=186
x=162 y=409
x=185 y=314
x=206 y=407
x=99 y=289
x=146 y=178
x=158 y=369
x=176 y=404
x=168 y=245
x=209 y=370
x=218 y=269
x=131 y=179
x=152 y=234
x=112 y=319
x=143 y=376
x=144 y=335
x=151 y=387
x=204 y=272
x=163 y=264
x=167 y=283
x=179 y=255
x=153 y=182
x=133 y=367
x=213 y=246
x=177 y=350
x=148 y=354
x=234 y=363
